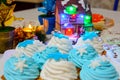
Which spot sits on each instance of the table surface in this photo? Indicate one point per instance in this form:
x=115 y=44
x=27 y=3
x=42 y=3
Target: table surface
x=32 y=15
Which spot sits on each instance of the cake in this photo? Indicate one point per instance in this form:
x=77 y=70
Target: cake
x=23 y=68
x=78 y=56
x=58 y=68
x=29 y=47
x=93 y=39
x=99 y=69
x=21 y=65
x=62 y=42
x=41 y=57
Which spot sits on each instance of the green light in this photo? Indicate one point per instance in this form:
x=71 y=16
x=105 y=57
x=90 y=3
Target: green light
x=87 y=19
x=71 y=10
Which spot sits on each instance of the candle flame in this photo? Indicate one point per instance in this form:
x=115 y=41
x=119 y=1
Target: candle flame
x=30 y=26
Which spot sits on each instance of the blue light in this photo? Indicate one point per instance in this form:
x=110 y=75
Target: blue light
x=81 y=16
x=66 y=24
x=63 y=15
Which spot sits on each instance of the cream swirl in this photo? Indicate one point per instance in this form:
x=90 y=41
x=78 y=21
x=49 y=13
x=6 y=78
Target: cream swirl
x=29 y=49
x=63 y=44
x=58 y=70
x=98 y=45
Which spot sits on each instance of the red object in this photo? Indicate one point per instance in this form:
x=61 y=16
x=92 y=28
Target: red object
x=97 y=17
x=73 y=16
x=69 y=31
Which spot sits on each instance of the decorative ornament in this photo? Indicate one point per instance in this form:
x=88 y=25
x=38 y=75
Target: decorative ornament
x=94 y=64
x=82 y=51
x=20 y=65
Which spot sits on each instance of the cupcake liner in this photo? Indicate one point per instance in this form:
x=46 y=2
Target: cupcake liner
x=103 y=53
x=78 y=72
x=2 y=77
x=39 y=78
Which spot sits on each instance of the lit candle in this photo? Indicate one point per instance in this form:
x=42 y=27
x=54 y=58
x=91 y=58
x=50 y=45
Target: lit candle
x=28 y=29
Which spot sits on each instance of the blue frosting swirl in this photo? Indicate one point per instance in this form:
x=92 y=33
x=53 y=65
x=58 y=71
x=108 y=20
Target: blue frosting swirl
x=58 y=56
x=31 y=72
x=25 y=43
x=41 y=57
x=89 y=35
x=60 y=35
x=79 y=60
x=103 y=72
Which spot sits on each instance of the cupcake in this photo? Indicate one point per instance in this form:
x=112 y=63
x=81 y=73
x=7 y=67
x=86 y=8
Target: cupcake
x=58 y=68
x=78 y=56
x=86 y=38
x=99 y=69
x=29 y=47
x=62 y=42
x=41 y=57
x=93 y=39
x=22 y=68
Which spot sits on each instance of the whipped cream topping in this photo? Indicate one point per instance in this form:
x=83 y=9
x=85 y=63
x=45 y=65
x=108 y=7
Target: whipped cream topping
x=63 y=44
x=30 y=49
x=58 y=70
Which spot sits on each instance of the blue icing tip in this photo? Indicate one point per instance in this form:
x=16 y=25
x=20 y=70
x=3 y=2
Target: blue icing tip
x=57 y=56
x=89 y=35
x=25 y=43
x=60 y=35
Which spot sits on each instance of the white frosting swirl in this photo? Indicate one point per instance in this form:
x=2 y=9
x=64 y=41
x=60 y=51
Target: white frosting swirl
x=30 y=49
x=58 y=70
x=98 y=45
x=81 y=42
x=64 y=45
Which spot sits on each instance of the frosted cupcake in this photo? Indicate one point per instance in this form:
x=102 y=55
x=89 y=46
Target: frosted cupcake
x=92 y=39
x=41 y=57
x=86 y=38
x=62 y=42
x=99 y=69
x=29 y=47
x=82 y=54
x=58 y=68
x=23 y=68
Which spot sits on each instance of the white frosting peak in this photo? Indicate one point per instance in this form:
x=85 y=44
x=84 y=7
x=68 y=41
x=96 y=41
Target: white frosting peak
x=58 y=70
x=64 y=45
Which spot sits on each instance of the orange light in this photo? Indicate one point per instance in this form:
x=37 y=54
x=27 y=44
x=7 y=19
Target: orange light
x=69 y=31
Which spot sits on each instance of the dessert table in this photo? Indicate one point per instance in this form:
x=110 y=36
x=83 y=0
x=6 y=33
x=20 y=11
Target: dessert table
x=32 y=15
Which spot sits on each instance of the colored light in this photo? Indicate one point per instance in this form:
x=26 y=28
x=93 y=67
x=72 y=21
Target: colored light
x=71 y=9
x=81 y=16
x=73 y=16
x=63 y=15
x=69 y=31
x=87 y=19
